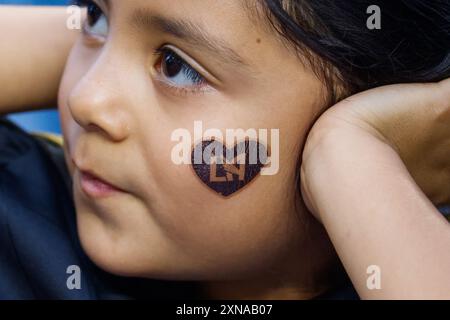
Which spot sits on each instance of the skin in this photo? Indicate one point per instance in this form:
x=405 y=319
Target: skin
x=394 y=223
x=39 y=76
x=168 y=225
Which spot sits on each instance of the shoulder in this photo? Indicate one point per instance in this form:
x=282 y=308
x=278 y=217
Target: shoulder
x=54 y=139
x=13 y=142
x=33 y=177
x=23 y=155
x=35 y=207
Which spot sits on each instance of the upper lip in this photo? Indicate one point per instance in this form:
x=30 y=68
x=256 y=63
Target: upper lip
x=95 y=175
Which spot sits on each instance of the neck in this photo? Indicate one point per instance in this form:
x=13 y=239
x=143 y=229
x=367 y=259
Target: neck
x=313 y=269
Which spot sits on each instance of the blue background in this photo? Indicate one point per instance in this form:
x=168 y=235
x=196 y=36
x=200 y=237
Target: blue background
x=35 y=2
x=40 y=120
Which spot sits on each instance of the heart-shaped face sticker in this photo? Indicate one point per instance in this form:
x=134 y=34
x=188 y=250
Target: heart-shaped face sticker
x=227 y=170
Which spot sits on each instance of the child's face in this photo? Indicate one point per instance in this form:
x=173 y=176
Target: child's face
x=120 y=103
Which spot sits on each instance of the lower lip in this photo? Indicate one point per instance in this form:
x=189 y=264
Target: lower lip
x=96 y=188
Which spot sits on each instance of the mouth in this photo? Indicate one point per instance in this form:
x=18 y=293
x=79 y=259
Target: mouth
x=95 y=187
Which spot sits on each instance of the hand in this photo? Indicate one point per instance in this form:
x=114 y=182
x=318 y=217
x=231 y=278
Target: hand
x=413 y=119
x=371 y=165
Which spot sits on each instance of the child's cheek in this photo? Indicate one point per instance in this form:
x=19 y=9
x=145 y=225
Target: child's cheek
x=207 y=197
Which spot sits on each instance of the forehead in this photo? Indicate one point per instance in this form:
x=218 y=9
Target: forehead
x=220 y=10
x=222 y=16
x=224 y=27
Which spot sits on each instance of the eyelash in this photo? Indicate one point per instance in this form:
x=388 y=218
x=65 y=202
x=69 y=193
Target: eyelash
x=165 y=55
x=200 y=83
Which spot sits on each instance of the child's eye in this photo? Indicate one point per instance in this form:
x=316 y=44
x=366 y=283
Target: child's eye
x=97 y=22
x=176 y=72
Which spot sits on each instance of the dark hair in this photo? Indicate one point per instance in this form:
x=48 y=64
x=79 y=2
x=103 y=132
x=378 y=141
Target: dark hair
x=413 y=44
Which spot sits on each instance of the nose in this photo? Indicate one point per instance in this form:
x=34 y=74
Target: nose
x=97 y=102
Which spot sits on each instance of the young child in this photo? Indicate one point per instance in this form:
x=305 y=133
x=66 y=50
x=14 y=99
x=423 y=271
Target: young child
x=141 y=70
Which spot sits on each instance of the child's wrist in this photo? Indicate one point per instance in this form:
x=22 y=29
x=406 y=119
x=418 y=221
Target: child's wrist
x=333 y=153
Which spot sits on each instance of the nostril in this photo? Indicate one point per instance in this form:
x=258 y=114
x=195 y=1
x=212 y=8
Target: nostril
x=93 y=128
x=112 y=131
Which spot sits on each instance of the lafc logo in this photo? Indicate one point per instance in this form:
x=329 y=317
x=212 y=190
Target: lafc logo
x=231 y=170
x=183 y=153
x=226 y=170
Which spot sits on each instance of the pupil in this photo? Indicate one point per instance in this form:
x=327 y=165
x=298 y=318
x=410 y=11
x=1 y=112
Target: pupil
x=94 y=13
x=172 y=65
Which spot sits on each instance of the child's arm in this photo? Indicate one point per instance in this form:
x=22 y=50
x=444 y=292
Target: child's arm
x=34 y=48
x=355 y=182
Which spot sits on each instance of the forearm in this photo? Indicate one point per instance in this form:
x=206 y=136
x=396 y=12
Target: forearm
x=35 y=47
x=376 y=215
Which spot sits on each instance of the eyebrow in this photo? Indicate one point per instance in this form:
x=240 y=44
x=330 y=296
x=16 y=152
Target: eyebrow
x=187 y=31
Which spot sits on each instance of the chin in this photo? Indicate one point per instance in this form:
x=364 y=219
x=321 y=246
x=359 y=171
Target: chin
x=107 y=249
x=121 y=253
